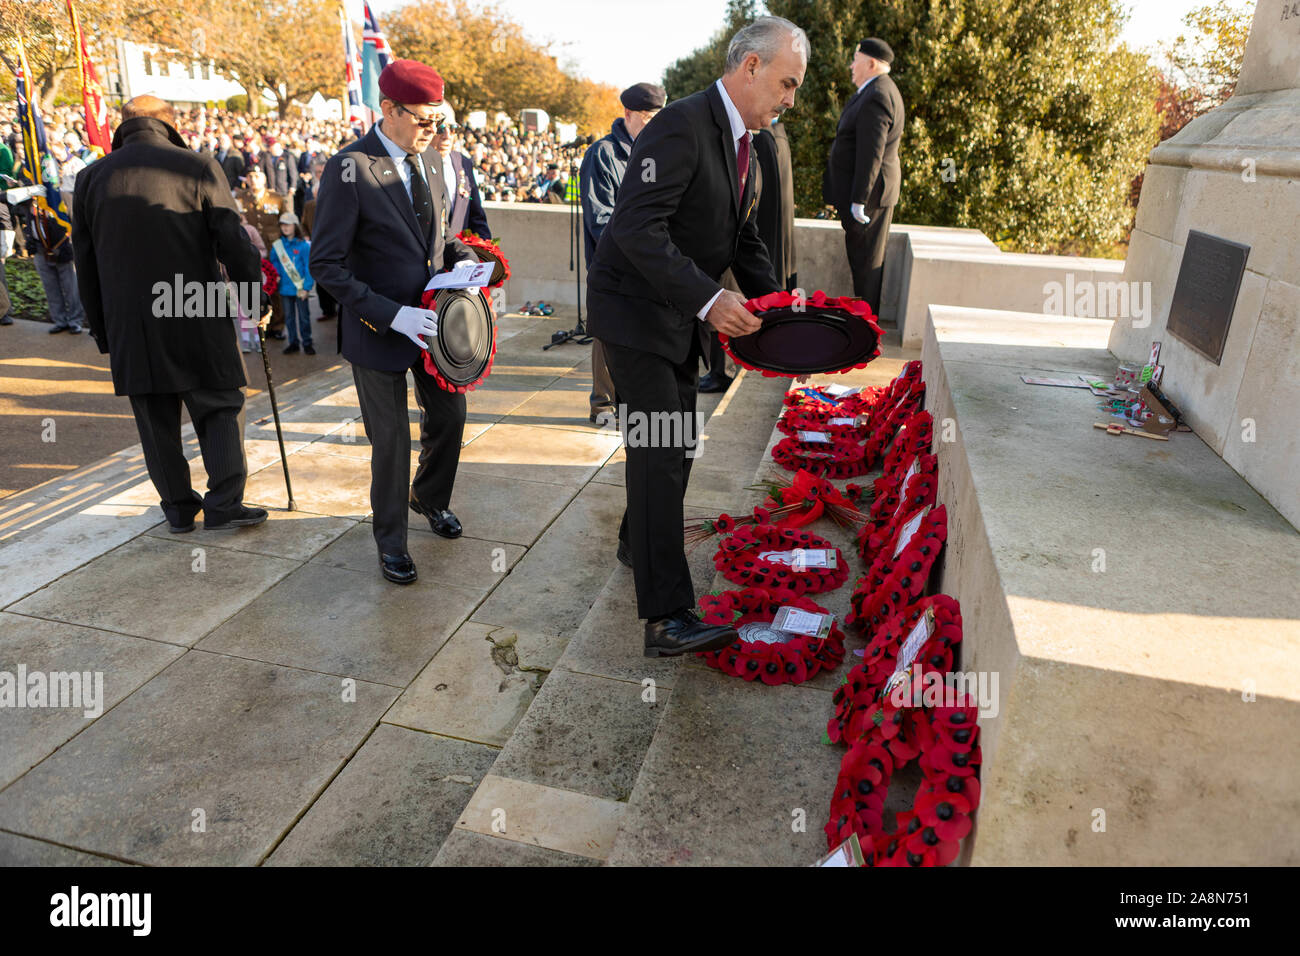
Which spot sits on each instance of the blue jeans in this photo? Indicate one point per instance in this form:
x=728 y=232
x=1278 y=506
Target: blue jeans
x=297 y=320
x=60 y=282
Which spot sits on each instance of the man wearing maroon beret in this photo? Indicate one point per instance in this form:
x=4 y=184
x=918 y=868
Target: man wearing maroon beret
x=380 y=234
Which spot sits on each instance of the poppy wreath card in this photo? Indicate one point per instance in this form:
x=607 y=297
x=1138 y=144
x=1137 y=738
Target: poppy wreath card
x=488 y=250
x=787 y=559
x=765 y=654
x=830 y=455
x=918 y=493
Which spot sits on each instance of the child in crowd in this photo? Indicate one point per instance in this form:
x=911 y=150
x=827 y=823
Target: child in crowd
x=289 y=255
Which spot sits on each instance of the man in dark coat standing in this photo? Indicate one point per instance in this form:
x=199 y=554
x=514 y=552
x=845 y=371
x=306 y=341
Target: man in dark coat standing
x=685 y=214
x=464 y=207
x=150 y=223
x=776 y=202
x=380 y=234
x=603 y=166
x=862 y=172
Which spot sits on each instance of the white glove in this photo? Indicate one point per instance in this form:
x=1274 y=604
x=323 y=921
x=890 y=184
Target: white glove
x=859 y=212
x=413 y=323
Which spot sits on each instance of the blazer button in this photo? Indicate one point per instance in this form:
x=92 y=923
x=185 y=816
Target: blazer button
x=428 y=262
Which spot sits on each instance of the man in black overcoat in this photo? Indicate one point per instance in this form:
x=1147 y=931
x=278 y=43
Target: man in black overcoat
x=685 y=214
x=152 y=224
x=863 y=174
x=380 y=234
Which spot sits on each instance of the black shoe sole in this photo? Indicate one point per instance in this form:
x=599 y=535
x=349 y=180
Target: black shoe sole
x=390 y=578
x=234 y=523
x=181 y=528
x=711 y=644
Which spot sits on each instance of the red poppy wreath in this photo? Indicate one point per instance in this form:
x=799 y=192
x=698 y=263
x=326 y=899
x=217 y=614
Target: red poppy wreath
x=762 y=653
x=900 y=570
x=488 y=250
x=818 y=334
x=749 y=557
x=918 y=491
x=430 y=366
x=835 y=456
x=814 y=400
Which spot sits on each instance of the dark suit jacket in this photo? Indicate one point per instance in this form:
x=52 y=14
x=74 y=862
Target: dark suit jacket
x=148 y=210
x=232 y=164
x=776 y=199
x=368 y=252
x=466 y=211
x=863 y=164
x=677 y=226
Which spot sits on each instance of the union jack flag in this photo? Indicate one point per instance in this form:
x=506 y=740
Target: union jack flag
x=358 y=115
x=375 y=55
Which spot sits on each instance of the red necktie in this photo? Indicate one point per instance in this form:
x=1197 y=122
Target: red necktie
x=742 y=163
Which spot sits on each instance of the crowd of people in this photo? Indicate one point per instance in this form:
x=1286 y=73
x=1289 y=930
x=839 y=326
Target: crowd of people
x=509 y=164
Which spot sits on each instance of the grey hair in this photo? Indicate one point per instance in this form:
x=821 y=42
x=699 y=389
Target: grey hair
x=765 y=37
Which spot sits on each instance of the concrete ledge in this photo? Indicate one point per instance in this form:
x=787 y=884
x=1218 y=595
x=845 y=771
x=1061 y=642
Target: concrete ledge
x=1119 y=690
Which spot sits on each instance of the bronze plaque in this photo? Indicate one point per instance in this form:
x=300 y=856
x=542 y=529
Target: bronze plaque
x=1206 y=292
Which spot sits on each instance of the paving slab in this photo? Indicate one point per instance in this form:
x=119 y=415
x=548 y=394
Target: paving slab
x=24 y=851
x=611 y=639
x=324 y=484
x=562 y=405
x=480 y=684
x=727 y=771
x=294 y=535
x=32 y=734
x=349 y=623
x=553 y=455
x=464 y=562
x=555 y=584
x=493 y=508
x=542 y=816
x=586 y=734
x=195 y=738
x=464 y=848
x=158 y=589
x=392 y=805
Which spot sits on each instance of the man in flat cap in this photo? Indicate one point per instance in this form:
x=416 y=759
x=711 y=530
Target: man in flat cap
x=601 y=174
x=862 y=172
x=380 y=234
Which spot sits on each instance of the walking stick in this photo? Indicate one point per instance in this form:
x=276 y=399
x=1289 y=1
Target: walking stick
x=275 y=411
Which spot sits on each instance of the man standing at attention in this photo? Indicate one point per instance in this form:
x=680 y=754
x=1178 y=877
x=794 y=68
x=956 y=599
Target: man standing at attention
x=601 y=174
x=862 y=172
x=685 y=214
x=380 y=234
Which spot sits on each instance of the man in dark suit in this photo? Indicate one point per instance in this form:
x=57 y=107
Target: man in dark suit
x=148 y=212
x=685 y=214
x=862 y=172
x=380 y=233
x=465 y=208
x=776 y=202
x=231 y=159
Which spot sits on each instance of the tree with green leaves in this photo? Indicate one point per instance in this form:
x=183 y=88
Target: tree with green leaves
x=697 y=70
x=1026 y=119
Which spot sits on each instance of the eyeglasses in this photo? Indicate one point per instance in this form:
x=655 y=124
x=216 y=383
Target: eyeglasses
x=442 y=125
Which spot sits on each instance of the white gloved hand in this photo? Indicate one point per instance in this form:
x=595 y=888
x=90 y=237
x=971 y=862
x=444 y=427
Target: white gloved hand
x=859 y=212
x=413 y=323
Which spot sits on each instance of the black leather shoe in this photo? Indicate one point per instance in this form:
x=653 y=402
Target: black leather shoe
x=442 y=523
x=245 y=517
x=684 y=633
x=291 y=348
x=624 y=554
x=398 y=568
x=181 y=528
x=715 y=383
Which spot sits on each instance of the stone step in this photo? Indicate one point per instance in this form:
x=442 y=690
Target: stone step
x=561 y=783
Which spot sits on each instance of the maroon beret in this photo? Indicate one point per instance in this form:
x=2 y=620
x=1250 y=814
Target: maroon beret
x=410 y=81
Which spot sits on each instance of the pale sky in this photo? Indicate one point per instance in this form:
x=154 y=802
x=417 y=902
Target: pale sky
x=622 y=42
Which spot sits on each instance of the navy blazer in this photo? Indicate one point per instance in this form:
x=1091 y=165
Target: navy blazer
x=678 y=225
x=863 y=164
x=368 y=252
x=466 y=210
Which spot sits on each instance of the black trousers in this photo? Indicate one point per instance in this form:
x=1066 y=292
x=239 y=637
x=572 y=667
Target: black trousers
x=657 y=471
x=218 y=417
x=442 y=426
x=865 y=245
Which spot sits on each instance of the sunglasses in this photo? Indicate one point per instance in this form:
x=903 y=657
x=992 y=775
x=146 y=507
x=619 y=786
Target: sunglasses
x=438 y=124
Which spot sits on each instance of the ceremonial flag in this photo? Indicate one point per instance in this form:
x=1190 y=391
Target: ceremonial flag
x=38 y=164
x=352 y=70
x=92 y=94
x=374 y=57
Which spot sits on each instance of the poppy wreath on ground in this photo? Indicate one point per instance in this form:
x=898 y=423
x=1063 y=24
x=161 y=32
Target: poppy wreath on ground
x=914 y=437
x=841 y=457
x=894 y=582
x=886 y=493
x=493 y=250
x=866 y=679
x=814 y=400
x=945 y=739
x=427 y=300
x=818 y=300
x=919 y=492
x=883 y=431
x=907 y=383
x=738 y=560
x=794 y=662
x=797 y=420
x=792 y=504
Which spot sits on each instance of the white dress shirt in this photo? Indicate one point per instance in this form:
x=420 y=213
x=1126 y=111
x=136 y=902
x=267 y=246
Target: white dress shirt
x=737 y=131
x=449 y=179
x=399 y=160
